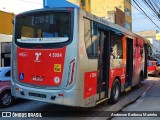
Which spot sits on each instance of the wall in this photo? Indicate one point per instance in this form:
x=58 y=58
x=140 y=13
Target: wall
x=5 y=49
x=6 y=29
x=101 y=7
x=76 y=2
x=6 y=26
x=120 y=17
x=158 y=36
x=148 y=33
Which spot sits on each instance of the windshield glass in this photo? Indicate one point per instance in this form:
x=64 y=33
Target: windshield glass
x=43 y=28
x=149 y=64
x=152 y=63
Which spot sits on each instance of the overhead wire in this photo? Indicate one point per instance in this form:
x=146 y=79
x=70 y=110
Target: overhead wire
x=146 y=14
x=150 y=7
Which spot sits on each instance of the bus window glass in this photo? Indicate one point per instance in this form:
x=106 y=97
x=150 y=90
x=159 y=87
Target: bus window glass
x=116 y=46
x=119 y=47
x=87 y=36
x=150 y=64
x=39 y=33
x=50 y=27
x=91 y=38
x=27 y=32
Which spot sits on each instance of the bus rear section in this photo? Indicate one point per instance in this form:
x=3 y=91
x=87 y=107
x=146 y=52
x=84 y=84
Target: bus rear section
x=45 y=56
x=71 y=57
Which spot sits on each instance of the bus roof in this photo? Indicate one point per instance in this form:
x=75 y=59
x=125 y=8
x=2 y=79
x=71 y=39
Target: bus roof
x=113 y=26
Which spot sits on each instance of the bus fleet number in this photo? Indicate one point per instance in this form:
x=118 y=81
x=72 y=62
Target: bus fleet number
x=55 y=55
x=93 y=75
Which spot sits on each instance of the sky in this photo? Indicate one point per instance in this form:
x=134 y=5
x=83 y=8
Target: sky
x=140 y=21
x=18 y=6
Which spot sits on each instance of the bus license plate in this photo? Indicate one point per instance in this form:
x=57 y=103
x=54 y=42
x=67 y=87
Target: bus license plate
x=38 y=78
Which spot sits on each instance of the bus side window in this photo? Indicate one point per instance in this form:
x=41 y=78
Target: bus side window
x=91 y=39
x=119 y=47
x=116 y=46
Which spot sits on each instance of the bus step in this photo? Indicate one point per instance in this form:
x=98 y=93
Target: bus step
x=127 y=89
x=100 y=101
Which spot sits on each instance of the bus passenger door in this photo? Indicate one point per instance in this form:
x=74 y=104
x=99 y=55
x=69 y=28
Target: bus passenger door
x=129 y=65
x=103 y=65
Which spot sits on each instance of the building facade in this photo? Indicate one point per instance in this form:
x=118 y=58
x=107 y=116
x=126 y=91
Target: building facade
x=148 y=33
x=158 y=36
x=6 y=28
x=102 y=8
x=152 y=36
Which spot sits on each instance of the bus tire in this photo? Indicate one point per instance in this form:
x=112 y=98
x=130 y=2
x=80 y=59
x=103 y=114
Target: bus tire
x=115 y=91
x=6 y=99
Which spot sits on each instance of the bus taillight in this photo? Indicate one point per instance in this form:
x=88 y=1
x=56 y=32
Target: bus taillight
x=71 y=72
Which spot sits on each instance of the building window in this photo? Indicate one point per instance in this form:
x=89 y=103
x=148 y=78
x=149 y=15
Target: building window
x=128 y=25
x=83 y=2
x=127 y=11
x=128 y=1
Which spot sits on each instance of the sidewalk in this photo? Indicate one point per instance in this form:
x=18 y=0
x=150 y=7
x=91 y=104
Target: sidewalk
x=132 y=96
x=149 y=101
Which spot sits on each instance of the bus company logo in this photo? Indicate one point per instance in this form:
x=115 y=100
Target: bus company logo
x=23 y=54
x=37 y=56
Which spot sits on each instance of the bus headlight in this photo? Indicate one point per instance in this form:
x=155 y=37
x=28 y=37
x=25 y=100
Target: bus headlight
x=71 y=72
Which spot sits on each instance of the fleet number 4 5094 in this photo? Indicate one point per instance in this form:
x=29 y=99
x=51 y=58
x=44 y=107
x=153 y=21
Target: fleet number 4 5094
x=55 y=55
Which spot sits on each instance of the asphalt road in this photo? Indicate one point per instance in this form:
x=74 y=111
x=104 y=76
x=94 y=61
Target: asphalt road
x=98 y=112
x=148 y=103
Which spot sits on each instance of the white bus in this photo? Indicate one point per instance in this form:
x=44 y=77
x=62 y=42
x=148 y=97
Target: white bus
x=70 y=57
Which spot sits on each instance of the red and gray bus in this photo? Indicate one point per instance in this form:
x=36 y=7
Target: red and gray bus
x=70 y=57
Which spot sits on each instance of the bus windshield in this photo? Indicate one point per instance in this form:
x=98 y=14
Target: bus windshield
x=45 y=27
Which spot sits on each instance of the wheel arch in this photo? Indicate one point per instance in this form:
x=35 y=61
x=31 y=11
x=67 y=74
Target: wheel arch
x=119 y=79
x=6 y=90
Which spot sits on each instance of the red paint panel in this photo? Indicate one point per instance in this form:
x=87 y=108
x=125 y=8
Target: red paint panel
x=151 y=68
x=121 y=72
x=90 y=84
x=137 y=59
x=40 y=67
